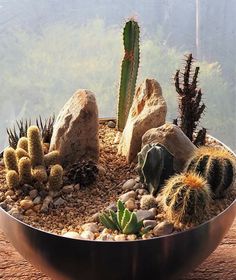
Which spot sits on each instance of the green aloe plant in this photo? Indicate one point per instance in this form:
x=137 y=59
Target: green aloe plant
x=129 y=71
x=124 y=221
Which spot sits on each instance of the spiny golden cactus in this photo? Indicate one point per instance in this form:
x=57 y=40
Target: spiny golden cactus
x=12 y=179
x=10 y=159
x=35 y=146
x=56 y=177
x=20 y=153
x=186 y=199
x=25 y=170
x=23 y=143
x=40 y=174
x=51 y=158
x=147 y=201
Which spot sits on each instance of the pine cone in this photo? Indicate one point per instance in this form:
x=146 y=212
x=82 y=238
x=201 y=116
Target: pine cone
x=83 y=173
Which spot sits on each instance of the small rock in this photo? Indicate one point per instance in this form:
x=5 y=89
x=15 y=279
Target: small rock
x=138 y=186
x=93 y=227
x=15 y=213
x=105 y=236
x=59 y=202
x=4 y=206
x=18 y=192
x=26 y=188
x=46 y=202
x=68 y=189
x=87 y=235
x=77 y=187
x=153 y=210
x=130 y=204
x=30 y=212
x=145 y=215
x=128 y=185
x=26 y=204
x=10 y=193
x=149 y=223
x=142 y=191
x=120 y=237
x=72 y=234
x=147 y=235
x=131 y=237
x=164 y=228
x=37 y=200
x=112 y=207
x=101 y=170
x=95 y=217
x=33 y=194
x=37 y=207
x=126 y=196
x=111 y=124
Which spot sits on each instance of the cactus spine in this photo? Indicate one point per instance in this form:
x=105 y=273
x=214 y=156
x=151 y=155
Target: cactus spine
x=35 y=146
x=216 y=165
x=185 y=199
x=51 y=158
x=56 y=177
x=23 y=144
x=25 y=170
x=10 y=159
x=155 y=165
x=147 y=201
x=129 y=71
x=12 y=179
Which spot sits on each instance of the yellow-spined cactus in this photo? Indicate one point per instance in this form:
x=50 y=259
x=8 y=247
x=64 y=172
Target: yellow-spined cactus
x=12 y=178
x=23 y=144
x=40 y=174
x=20 y=153
x=52 y=158
x=25 y=170
x=35 y=146
x=10 y=159
x=56 y=177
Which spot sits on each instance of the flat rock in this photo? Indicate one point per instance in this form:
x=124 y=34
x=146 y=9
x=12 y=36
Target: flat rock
x=126 y=196
x=173 y=138
x=163 y=228
x=149 y=223
x=145 y=215
x=59 y=202
x=147 y=111
x=68 y=189
x=93 y=227
x=129 y=185
x=75 y=133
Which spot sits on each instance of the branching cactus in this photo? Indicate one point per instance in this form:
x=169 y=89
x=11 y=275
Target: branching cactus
x=129 y=71
x=35 y=146
x=25 y=170
x=123 y=221
x=52 y=158
x=40 y=174
x=12 y=179
x=155 y=165
x=56 y=177
x=10 y=159
x=186 y=199
x=20 y=153
x=216 y=165
x=23 y=144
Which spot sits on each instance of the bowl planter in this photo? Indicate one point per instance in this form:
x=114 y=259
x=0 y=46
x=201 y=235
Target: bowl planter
x=165 y=257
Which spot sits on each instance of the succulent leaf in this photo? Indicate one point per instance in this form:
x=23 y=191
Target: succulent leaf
x=107 y=222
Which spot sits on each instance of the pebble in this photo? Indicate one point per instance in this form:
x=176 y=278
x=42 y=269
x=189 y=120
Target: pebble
x=10 y=193
x=33 y=194
x=105 y=236
x=112 y=207
x=126 y=196
x=137 y=186
x=30 y=212
x=95 y=217
x=68 y=189
x=130 y=204
x=111 y=124
x=101 y=170
x=93 y=227
x=153 y=210
x=72 y=234
x=87 y=235
x=142 y=191
x=129 y=185
x=147 y=235
x=164 y=228
x=26 y=204
x=37 y=207
x=149 y=223
x=37 y=200
x=59 y=202
x=77 y=187
x=15 y=213
x=131 y=237
x=145 y=215
x=46 y=203
x=120 y=237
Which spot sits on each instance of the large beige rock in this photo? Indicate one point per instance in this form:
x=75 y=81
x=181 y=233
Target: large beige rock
x=147 y=111
x=173 y=138
x=75 y=133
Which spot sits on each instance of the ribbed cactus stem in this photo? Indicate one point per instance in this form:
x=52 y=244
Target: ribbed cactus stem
x=35 y=146
x=10 y=159
x=52 y=158
x=40 y=174
x=56 y=177
x=23 y=143
x=129 y=71
x=25 y=170
x=12 y=179
x=20 y=153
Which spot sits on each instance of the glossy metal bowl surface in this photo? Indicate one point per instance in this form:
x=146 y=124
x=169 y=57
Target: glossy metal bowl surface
x=166 y=257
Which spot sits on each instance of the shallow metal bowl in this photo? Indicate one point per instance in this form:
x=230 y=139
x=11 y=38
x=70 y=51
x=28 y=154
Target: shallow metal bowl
x=166 y=257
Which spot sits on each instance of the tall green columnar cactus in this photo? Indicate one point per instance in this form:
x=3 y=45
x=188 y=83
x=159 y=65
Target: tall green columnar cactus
x=35 y=146
x=129 y=71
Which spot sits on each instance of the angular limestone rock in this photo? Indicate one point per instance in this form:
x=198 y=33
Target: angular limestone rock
x=75 y=133
x=147 y=111
x=173 y=138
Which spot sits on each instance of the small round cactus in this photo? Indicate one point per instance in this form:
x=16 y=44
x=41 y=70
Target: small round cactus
x=12 y=179
x=56 y=177
x=35 y=146
x=20 y=153
x=40 y=174
x=216 y=165
x=10 y=159
x=25 y=170
x=23 y=144
x=51 y=158
x=186 y=199
x=147 y=202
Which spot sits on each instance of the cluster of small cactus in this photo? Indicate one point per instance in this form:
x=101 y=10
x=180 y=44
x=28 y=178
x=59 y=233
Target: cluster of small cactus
x=123 y=221
x=216 y=165
x=147 y=201
x=28 y=164
x=129 y=71
x=155 y=165
x=186 y=199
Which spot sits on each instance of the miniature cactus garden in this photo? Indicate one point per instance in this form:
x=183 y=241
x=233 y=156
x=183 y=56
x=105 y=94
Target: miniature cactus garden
x=133 y=177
